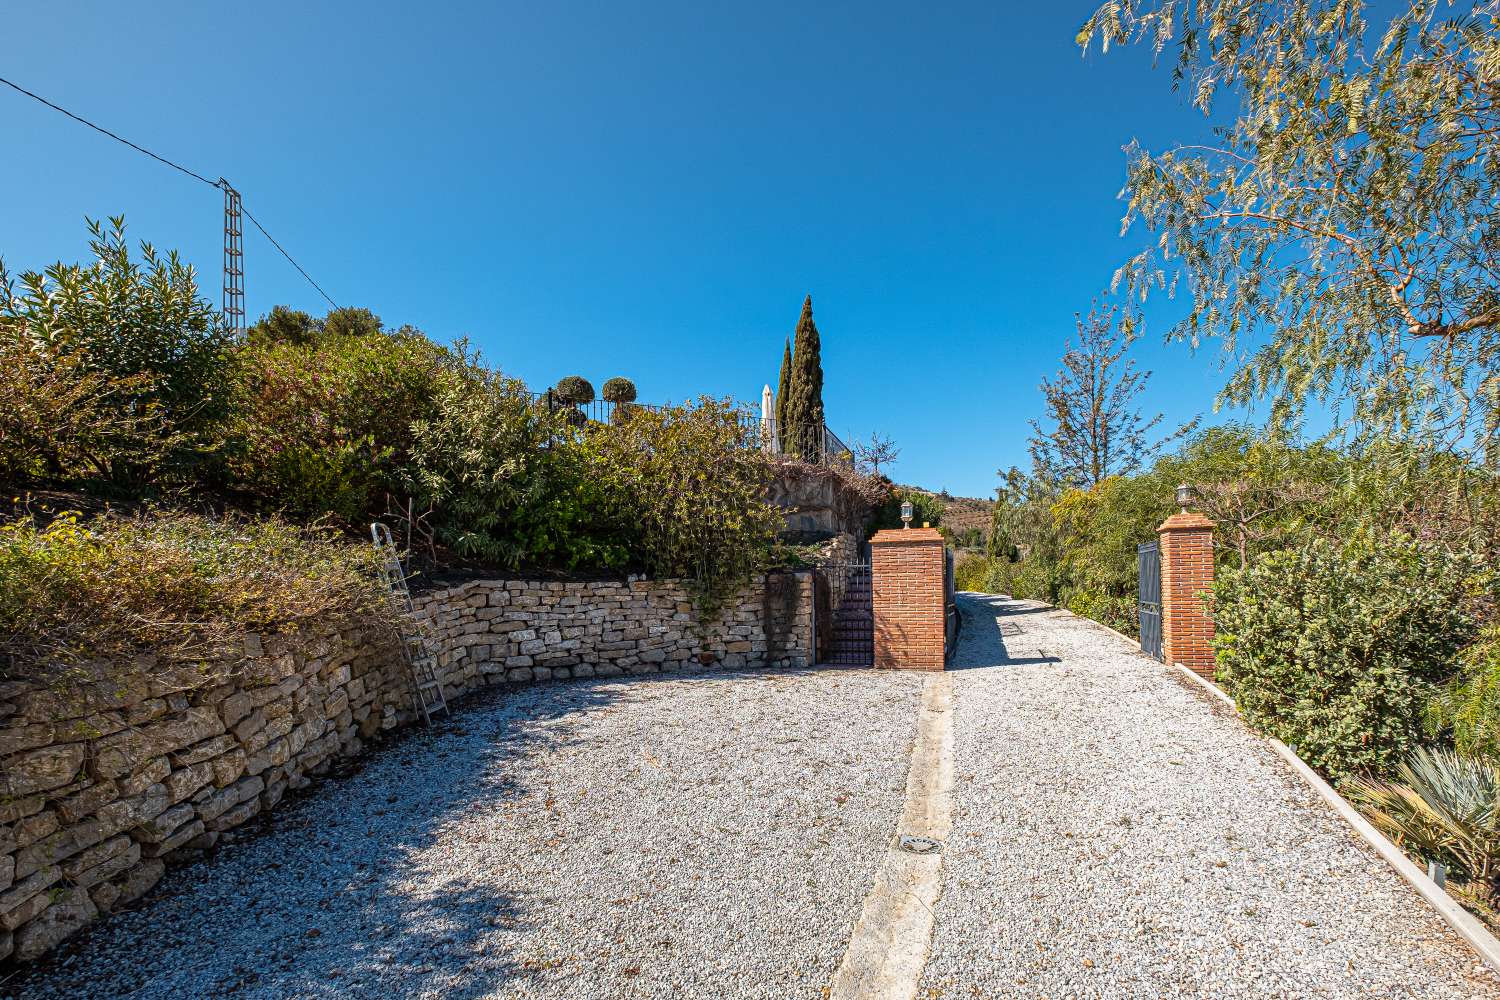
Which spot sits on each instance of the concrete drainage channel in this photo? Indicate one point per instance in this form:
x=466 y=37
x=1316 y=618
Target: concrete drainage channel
x=888 y=949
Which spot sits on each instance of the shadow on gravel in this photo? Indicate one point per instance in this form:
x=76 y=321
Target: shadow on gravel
x=981 y=640
x=321 y=898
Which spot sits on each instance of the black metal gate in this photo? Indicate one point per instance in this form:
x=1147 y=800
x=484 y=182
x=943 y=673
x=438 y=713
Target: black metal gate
x=846 y=619
x=1148 y=564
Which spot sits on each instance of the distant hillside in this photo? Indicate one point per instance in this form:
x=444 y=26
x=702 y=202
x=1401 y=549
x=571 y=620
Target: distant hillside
x=961 y=513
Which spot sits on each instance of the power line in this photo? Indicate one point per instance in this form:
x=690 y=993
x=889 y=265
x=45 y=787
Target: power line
x=288 y=257
x=221 y=183
x=140 y=149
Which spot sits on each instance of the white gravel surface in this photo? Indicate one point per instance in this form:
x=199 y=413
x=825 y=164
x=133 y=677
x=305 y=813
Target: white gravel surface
x=709 y=836
x=1118 y=833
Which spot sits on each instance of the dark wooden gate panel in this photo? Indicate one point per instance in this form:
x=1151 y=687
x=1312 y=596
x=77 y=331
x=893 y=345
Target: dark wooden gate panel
x=1148 y=564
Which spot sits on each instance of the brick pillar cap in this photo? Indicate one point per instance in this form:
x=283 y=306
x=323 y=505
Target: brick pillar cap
x=1184 y=521
x=906 y=536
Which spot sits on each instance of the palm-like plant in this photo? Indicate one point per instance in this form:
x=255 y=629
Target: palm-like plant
x=1446 y=808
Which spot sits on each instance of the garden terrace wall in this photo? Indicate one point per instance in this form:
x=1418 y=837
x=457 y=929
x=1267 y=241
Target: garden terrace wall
x=127 y=766
x=527 y=630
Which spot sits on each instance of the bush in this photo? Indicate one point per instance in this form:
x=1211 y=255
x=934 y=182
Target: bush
x=136 y=337
x=1446 y=808
x=1337 y=650
x=1467 y=708
x=505 y=482
x=574 y=390
x=324 y=427
x=692 y=492
x=179 y=586
x=62 y=422
x=619 y=390
x=1119 y=613
x=972 y=573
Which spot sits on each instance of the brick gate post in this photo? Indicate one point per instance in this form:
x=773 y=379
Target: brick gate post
x=1187 y=573
x=906 y=581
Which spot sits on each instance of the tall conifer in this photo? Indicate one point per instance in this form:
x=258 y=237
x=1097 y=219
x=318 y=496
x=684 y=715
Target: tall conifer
x=783 y=392
x=804 y=416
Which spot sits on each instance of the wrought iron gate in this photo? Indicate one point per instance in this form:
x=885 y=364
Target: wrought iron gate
x=847 y=635
x=1148 y=565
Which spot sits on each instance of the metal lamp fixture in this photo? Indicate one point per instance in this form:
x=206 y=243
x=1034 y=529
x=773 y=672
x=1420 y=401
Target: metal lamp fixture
x=1185 y=496
x=906 y=512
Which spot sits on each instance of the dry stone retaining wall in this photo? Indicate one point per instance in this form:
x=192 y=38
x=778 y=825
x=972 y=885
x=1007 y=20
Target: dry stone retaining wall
x=106 y=778
x=519 y=630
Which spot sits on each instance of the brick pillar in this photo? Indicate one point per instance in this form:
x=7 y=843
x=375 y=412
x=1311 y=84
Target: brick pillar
x=1187 y=574
x=906 y=578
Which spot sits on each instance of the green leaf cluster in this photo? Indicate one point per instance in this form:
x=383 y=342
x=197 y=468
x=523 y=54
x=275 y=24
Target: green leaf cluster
x=1336 y=649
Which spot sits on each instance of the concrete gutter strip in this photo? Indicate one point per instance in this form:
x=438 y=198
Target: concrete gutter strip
x=1460 y=919
x=888 y=949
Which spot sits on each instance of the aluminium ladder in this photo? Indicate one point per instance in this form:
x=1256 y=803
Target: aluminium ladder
x=416 y=644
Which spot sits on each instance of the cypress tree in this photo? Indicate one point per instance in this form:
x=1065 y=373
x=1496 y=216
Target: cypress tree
x=804 y=416
x=783 y=392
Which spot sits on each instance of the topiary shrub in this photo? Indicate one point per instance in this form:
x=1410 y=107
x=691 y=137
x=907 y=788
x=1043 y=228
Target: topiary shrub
x=1336 y=651
x=619 y=390
x=575 y=389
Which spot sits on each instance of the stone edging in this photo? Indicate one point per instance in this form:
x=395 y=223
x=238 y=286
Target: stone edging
x=1460 y=919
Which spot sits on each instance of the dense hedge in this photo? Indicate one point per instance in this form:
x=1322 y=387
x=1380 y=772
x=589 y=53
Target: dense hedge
x=1335 y=650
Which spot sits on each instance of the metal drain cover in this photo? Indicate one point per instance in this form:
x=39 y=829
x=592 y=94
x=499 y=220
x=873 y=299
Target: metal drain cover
x=918 y=845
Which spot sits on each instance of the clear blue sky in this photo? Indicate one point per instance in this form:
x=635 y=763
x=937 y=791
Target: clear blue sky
x=647 y=190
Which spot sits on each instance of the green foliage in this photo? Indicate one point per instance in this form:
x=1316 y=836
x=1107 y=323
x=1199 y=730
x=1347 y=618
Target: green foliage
x=925 y=508
x=618 y=390
x=62 y=423
x=784 y=388
x=293 y=326
x=324 y=427
x=1096 y=430
x=505 y=482
x=178 y=586
x=692 y=493
x=135 y=338
x=1337 y=233
x=971 y=573
x=802 y=424
x=351 y=321
x=575 y=390
x=1445 y=807
x=285 y=325
x=1468 y=707
x=1335 y=650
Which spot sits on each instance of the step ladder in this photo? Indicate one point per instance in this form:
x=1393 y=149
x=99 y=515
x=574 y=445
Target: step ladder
x=417 y=646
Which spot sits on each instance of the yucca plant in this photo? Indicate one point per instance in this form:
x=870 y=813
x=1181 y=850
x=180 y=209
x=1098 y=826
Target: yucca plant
x=1444 y=807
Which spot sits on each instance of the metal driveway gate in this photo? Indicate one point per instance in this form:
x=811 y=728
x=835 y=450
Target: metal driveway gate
x=1148 y=565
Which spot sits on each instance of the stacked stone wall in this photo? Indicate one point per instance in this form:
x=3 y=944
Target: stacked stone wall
x=121 y=768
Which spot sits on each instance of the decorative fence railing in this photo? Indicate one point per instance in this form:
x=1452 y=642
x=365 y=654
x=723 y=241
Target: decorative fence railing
x=809 y=443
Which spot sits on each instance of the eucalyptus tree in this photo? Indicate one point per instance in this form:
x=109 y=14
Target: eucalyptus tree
x=1341 y=231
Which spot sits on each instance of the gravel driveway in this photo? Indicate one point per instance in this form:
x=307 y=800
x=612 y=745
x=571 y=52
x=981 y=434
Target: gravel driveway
x=1118 y=833
x=706 y=835
x=1115 y=833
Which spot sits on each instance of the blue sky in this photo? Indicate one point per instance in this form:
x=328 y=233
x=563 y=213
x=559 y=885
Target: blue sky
x=642 y=190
